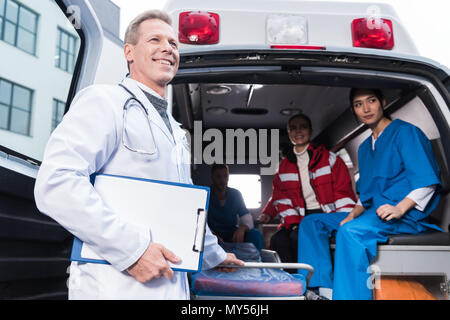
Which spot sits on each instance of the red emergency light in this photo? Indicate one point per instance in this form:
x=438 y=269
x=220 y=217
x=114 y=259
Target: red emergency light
x=198 y=27
x=374 y=33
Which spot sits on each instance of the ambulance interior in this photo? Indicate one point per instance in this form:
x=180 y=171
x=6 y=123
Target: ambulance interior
x=265 y=99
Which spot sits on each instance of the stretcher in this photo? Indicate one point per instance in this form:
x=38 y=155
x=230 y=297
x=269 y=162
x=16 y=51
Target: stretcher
x=261 y=277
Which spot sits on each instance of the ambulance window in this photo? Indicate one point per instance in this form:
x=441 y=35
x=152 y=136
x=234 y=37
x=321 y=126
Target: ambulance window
x=352 y=170
x=250 y=187
x=346 y=157
x=38 y=62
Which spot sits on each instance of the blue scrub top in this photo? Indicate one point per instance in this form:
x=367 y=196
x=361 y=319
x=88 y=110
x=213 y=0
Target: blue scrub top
x=223 y=220
x=403 y=160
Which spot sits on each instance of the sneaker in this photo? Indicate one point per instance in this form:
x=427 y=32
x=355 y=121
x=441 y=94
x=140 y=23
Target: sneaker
x=312 y=295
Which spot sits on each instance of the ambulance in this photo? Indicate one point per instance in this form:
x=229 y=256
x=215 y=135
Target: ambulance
x=253 y=64
x=245 y=68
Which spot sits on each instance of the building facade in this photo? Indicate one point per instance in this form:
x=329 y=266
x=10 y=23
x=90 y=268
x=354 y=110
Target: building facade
x=39 y=47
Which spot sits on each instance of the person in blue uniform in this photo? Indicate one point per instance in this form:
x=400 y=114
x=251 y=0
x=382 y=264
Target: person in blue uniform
x=228 y=217
x=398 y=187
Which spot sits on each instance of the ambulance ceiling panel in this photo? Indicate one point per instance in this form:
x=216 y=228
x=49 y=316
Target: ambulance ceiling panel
x=268 y=106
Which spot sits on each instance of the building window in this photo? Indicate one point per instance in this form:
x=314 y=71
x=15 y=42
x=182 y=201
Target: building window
x=15 y=107
x=58 y=112
x=65 y=51
x=250 y=187
x=18 y=25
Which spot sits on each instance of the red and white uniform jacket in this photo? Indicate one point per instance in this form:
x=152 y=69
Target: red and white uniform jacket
x=329 y=178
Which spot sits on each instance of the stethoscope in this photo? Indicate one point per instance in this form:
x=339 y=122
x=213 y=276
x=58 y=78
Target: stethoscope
x=128 y=103
x=126 y=106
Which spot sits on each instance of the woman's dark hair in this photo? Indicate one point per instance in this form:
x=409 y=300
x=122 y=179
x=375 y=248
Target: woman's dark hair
x=301 y=116
x=376 y=92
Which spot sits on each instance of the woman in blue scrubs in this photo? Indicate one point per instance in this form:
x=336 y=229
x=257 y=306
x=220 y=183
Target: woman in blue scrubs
x=398 y=188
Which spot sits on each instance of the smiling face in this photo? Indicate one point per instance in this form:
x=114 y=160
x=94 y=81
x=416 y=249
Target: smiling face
x=154 y=59
x=368 y=108
x=299 y=132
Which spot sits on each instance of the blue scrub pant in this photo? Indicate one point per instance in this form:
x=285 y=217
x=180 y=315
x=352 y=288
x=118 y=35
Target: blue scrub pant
x=356 y=246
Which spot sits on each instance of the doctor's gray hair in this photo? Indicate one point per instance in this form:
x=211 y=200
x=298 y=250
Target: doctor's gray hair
x=132 y=32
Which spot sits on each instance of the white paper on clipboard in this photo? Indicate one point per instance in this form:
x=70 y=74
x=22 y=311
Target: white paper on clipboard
x=174 y=213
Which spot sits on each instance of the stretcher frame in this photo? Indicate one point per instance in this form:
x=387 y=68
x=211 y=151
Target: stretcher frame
x=262 y=265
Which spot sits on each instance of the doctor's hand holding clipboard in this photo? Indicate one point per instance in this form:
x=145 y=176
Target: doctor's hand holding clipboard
x=153 y=263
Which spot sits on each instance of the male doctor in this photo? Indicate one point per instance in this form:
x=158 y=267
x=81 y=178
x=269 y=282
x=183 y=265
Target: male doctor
x=122 y=130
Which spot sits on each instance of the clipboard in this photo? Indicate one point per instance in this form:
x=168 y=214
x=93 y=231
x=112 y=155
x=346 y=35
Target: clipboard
x=175 y=214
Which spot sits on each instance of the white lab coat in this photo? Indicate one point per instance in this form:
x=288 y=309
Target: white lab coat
x=90 y=140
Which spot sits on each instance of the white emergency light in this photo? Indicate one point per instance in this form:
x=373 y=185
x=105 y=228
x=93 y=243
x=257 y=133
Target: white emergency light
x=286 y=29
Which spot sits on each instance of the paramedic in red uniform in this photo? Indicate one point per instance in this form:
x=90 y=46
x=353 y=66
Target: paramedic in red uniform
x=309 y=180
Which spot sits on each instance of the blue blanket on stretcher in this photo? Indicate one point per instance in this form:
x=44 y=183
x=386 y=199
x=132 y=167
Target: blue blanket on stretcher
x=246 y=282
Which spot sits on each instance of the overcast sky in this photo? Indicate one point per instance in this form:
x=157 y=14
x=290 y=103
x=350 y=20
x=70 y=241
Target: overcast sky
x=427 y=21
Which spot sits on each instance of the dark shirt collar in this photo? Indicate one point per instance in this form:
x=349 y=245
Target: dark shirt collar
x=159 y=104
x=155 y=99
